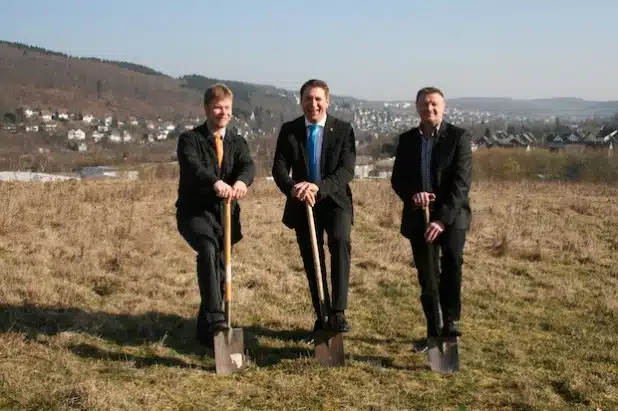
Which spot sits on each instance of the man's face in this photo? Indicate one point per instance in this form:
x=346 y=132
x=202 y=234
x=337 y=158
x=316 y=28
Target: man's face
x=219 y=112
x=315 y=103
x=430 y=108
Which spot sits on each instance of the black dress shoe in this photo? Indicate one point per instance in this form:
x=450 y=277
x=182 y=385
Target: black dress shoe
x=218 y=326
x=420 y=346
x=338 y=323
x=451 y=329
x=317 y=326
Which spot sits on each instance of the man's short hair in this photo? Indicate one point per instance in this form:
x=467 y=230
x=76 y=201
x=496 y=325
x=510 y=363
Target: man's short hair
x=217 y=91
x=314 y=83
x=428 y=90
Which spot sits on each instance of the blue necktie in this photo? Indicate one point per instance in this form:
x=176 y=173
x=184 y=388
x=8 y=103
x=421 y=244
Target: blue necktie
x=313 y=152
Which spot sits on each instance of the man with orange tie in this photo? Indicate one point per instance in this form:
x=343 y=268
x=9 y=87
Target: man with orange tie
x=215 y=165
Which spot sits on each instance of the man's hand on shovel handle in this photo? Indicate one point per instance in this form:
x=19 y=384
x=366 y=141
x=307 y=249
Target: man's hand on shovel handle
x=223 y=189
x=433 y=231
x=240 y=190
x=423 y=199
x=306 y=191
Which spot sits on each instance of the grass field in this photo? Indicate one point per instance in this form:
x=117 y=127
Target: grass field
x=98 y=296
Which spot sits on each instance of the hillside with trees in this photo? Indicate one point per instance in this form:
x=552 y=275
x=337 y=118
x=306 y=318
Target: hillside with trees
x=51 y=80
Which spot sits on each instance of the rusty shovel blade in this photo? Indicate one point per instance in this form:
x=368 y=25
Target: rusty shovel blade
x=329 y=348
x=443 y=353
x=229 y=347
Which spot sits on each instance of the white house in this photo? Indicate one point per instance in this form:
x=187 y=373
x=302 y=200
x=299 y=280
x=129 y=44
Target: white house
x=87 y=118
x=32 y=128
x=46 y=115
x=78 y=134
x=126 y=136
x=362 y=171
x=97 y=136
x=115 y=137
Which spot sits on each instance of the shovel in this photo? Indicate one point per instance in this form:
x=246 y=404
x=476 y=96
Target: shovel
x=328 y=344
x=443 y=352
x=229 y=344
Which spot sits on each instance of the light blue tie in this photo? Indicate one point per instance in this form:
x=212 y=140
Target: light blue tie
x=313 y=152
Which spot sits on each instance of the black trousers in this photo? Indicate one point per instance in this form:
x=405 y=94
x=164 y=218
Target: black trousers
x=448 y=303
x=210 y=270
x=337 y=224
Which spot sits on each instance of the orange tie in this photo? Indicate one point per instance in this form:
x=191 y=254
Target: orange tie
x=219 y=148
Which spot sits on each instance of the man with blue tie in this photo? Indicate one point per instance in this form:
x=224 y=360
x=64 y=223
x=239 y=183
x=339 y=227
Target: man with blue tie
x=320 y=150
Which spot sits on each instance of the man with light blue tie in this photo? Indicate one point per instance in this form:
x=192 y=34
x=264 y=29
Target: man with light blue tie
x=320 y=150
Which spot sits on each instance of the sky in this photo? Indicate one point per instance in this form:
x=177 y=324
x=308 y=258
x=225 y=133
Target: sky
x=378 y=50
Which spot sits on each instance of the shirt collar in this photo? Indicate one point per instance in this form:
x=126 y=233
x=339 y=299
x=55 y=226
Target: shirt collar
x=223 y=132
x=321 y=123
x=436 y=129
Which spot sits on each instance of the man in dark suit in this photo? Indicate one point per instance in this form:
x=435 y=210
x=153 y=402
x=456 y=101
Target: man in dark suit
x=321 y=152
x=215 y=165
x=433 y=167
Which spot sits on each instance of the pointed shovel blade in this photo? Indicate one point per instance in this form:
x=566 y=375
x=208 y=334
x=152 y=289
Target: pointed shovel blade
x=329 y=348
x=443 y=354
x=229 y=347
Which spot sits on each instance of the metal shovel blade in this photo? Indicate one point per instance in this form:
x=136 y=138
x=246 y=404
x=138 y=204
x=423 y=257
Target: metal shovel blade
x=229 y=351
x=329 y=348
x=443 y=354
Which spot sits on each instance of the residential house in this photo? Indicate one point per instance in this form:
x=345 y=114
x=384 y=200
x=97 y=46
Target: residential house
x=115 y=137
x=97 y=136
x=46 y=115
x=78 y=134
x=169 y=126
x=62 y=115
x=28 y=112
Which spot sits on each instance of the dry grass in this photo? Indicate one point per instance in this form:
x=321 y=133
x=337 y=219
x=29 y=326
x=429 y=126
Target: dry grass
x=99 y=294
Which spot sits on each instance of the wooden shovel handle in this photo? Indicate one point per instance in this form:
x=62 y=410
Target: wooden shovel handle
x=316 y=257
x=228 y=250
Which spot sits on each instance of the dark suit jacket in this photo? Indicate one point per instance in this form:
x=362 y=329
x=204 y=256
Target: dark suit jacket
x=337 y=163
x=451 y=177
x=199 y=171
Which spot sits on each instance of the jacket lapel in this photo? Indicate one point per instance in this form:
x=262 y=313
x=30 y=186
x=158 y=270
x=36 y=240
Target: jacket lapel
x=437 y=155
x=228 y=152
x=327 y=137
x=301 y=136
x=436 y=152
